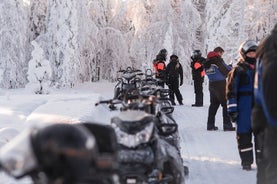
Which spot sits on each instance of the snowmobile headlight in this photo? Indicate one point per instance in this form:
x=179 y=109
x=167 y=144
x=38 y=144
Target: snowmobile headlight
x=133 y=140
x=17 y=157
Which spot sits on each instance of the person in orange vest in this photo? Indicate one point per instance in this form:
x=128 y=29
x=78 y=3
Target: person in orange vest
x=160 y=66
x=198 y=75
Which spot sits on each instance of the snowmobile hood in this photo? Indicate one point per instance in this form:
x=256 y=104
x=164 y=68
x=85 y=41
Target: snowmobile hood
x=133 y=115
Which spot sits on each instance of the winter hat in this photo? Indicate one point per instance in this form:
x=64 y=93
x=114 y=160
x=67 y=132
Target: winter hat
x=212 y=54
x=173 y=57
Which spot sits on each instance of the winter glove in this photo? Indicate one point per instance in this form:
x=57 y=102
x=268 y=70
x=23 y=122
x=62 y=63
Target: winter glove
x=233 y=116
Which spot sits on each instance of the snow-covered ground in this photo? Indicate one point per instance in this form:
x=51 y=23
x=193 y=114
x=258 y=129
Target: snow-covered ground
x=212 y=156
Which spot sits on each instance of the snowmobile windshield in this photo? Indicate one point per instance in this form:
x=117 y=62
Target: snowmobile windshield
x=17 y=157
x=127 y=77
x=133 y=140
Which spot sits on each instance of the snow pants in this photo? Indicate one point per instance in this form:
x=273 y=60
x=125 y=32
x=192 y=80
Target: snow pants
x=198 y=90
x=173 y=85
x=218 y=97
x=245 y=148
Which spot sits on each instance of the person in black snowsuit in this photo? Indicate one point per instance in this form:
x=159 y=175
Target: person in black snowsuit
x=159 y=67
x=264 y=113
x=174 y=71
x=198 y=75
x=240 y=88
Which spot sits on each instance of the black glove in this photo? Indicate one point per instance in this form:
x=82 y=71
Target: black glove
x=233 y=116
x=181 y=83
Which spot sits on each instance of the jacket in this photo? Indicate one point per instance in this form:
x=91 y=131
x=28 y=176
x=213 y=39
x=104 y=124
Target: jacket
x=197 y=68
x=239 y=93
x=215 y=67
x=265 y=91
x=173 y=70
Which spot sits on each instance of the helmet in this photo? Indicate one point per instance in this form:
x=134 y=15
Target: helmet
x=64 y=151
x=196 y=54
x=173 y=56
x=163 y=52
x=247 y=46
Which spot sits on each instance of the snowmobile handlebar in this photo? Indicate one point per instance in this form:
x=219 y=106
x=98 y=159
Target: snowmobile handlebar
x=129 y=70
x=110 y=101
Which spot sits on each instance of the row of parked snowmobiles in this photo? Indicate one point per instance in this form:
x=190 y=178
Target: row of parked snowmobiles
x=140 y=146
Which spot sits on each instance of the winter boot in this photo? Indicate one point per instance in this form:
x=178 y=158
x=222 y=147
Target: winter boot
x=228 y=127
x=212 y=128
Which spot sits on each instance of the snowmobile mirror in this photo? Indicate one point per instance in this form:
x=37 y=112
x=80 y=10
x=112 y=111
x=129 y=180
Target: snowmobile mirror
x=167 y=110
x=167 y=129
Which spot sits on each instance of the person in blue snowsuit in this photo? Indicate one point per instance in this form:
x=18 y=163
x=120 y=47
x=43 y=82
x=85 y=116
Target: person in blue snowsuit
x=264 y=114
x=217 y=70
x=239 y=93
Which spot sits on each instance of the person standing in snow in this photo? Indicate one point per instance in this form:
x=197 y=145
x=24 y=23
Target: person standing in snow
x=264 y=113
x=159 y=67
x=240 y=87
x=198 y=75
x=217 y=71
x=174 y=71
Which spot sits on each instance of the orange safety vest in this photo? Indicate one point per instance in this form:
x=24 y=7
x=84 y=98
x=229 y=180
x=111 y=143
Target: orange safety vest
x=198 y=65
x=159 y=66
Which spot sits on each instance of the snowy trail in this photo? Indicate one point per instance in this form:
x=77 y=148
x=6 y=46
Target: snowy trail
x=212 y=157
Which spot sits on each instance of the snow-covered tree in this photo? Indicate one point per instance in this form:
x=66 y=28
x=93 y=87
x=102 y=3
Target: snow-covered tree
x=13 y=43
x=38 y=17
x=235 y=21
x=87 y=40
x=39 y=73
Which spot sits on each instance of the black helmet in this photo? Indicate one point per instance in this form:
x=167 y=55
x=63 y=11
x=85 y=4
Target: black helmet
x=163 y=51
x=196 y=54
x=64 y=151
x=247 y=46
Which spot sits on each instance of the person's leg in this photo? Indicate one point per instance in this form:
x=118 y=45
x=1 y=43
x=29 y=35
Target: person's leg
x=245 y=148
x=270 y=152
x=260 y=161
x=227 y=124
x=198 y=93
x=214 y=104
x=171 y=94
x=258 y=125
x=178 y=95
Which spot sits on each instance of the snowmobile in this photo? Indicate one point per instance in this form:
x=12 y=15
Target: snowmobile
x=144 y=157
x=62 y=153
x=154 y=100
x=128 y=82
